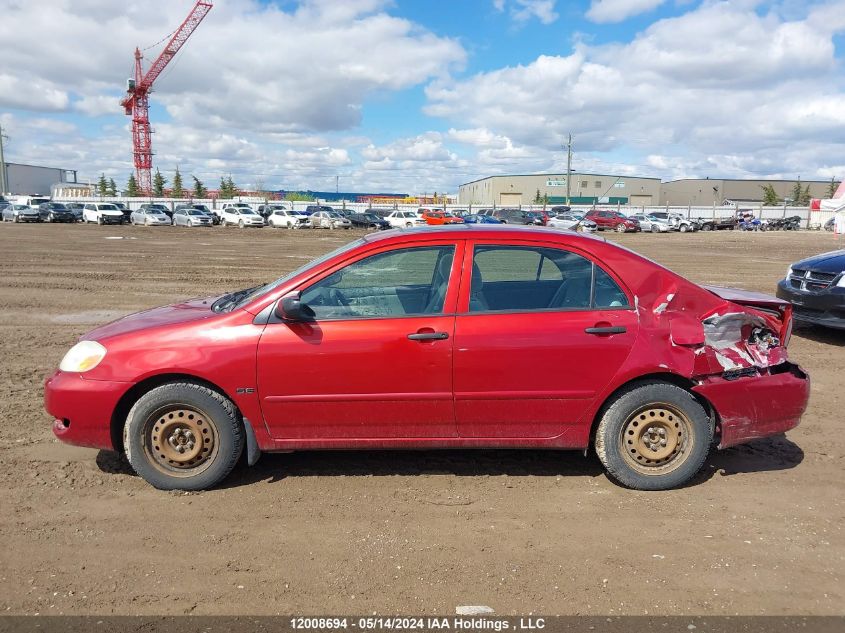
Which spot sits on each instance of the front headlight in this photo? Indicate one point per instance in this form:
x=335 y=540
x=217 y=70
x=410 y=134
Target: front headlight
x=841 y=282
x=83 y=356
x=788 y=272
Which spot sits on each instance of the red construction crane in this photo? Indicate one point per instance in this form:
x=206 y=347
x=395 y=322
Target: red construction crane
x=136 y=103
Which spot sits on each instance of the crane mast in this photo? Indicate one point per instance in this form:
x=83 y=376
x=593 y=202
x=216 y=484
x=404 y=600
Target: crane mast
x=136 y=103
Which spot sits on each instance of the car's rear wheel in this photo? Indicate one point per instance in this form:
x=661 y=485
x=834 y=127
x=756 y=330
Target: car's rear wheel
x=654 y=436
x=183 y=436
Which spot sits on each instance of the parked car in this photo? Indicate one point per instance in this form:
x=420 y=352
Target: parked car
x=573 y=222
x=30 y=201
x=102 y=213
x=76 y=209
x=368 y=221
x=281 y=217
x=55 y=212
x=20 y=213
x=240 y=216
x=559 y=210
x=658 y=369
x=162 y=208
x=199 y=207
x=311 y=209
x=612 y=220
x=816 y=289
x=191 y=217
x=477 y=218
x=514 y=216
x=399 y=219
x=438 y=218
x=124 y=208
x=676 y=221
x=717 y=224
x=652 y=224
x=266 y=210
x=328 y=220
x=149 y=216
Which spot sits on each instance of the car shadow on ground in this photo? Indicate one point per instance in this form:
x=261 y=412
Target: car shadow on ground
x=819 y=334
x=763 y=455
x=768 y=454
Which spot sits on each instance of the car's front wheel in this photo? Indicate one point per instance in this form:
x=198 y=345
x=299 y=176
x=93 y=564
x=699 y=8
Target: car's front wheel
x=183 y=436
x=653 y=436
x=620 y=228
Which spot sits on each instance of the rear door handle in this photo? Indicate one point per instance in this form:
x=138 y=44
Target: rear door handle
x=614 y=329
x=428 y=336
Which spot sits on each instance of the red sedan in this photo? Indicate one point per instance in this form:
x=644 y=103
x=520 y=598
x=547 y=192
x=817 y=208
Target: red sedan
x=462 y=336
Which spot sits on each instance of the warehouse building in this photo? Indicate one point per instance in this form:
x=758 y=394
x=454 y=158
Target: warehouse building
x=707 y=191
x=584 y=188
x=33 y=179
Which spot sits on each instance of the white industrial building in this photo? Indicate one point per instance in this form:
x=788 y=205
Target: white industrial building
x=34 y=179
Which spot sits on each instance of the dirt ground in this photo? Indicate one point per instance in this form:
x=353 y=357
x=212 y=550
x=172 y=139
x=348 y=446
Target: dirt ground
x=758 y=532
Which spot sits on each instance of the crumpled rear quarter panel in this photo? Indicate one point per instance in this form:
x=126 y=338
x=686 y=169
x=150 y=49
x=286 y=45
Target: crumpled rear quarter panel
x=757 y=406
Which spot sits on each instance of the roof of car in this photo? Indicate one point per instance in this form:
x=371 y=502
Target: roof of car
x=498 y=231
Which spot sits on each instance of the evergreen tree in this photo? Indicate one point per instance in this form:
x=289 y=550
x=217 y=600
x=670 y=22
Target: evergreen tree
x=177 y=191
x=232 y=187
x=199 y=189
x=159 y=182
x=132 y=187
x=831 y=188
x=770 y=196
x=796 y=193
x=112 y=187
x=223 y=190
x=103 y=186
x=537 y=198
x=805 y=197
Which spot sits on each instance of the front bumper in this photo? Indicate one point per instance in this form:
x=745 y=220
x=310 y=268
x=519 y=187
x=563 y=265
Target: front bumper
x=82 y=408
x=757 y=406
x=826 y=308
x=29 y=218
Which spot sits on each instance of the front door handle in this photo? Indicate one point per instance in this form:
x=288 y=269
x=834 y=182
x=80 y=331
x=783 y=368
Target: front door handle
x=428 y=336
x=613 y=329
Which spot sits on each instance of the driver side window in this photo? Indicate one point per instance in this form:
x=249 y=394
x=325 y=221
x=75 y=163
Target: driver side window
x=404 y=282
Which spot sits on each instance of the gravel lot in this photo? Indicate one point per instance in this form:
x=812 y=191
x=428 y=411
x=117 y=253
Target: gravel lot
x=759 y=532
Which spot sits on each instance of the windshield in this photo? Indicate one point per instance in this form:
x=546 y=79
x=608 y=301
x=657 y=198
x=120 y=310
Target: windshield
x=247 y=212
x=233 y=300
x=157 y=207
x=201 y=207
x=58 y=206
x=195 y=212
x=107 y=207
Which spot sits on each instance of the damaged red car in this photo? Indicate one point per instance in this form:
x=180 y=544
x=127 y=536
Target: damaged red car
x=467 y=336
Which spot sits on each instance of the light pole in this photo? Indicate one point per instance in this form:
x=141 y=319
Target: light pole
x=3 y=180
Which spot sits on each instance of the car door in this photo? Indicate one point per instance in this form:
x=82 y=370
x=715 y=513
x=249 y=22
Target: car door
x=540 y=331
x=376 y=361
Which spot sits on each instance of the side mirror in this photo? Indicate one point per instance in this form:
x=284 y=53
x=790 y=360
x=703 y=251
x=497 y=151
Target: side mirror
x=290 y=308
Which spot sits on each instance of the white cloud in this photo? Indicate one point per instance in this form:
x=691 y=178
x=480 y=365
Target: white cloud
x=608 y=11
x=525 y=10
x=721 y=87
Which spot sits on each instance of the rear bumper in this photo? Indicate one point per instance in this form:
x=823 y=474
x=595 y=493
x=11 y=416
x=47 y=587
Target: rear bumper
x=82 y=408
x=757 y=406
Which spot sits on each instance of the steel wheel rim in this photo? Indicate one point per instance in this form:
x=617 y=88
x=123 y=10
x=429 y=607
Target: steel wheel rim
x=656 y=439
x=181 y=440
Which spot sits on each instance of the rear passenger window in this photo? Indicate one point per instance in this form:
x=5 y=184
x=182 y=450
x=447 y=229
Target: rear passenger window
x=508 y=278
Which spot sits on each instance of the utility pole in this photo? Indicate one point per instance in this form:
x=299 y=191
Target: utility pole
x=568 y=167
x=2 y=164
x=337 y=184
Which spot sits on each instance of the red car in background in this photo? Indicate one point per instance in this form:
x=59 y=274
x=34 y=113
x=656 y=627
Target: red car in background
x=434 y=217
x=475 y=336
x=614 y=220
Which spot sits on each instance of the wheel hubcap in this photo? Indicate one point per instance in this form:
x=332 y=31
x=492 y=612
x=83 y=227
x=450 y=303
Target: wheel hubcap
x=656 y=438
x=181 y=438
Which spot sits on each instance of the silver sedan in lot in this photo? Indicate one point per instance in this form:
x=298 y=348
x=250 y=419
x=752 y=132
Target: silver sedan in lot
x=651 y=223
x=149 y=216
x=20 y=213
x=191 y=217
x=573 y=222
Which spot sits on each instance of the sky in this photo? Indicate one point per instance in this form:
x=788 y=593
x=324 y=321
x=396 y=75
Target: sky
x=421 y=96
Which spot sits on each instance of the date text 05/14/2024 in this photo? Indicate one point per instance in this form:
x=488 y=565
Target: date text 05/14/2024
x=408 y=623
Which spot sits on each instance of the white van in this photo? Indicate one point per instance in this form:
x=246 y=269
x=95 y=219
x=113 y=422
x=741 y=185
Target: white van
x=31 y=201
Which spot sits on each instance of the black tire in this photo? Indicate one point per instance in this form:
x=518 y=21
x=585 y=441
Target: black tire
x=706 y=227
x=240 y=224
x=653 y=419
x=683 y=228
x=162 y=410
